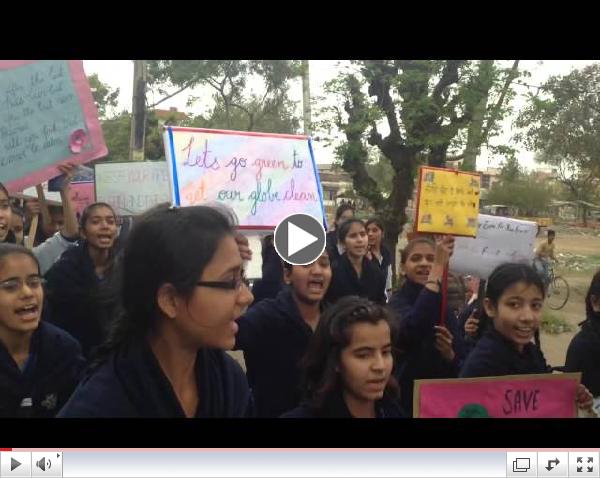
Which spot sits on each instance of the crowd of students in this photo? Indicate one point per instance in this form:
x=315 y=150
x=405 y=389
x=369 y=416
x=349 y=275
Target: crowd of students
x=139 y=326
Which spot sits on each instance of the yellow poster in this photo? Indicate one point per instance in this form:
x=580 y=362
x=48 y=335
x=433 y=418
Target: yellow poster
x=447 y=202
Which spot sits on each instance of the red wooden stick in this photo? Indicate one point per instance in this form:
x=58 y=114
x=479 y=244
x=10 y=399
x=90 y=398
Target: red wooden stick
x=444 y=297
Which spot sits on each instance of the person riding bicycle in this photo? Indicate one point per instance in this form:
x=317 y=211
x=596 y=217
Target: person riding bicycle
x=543 y=253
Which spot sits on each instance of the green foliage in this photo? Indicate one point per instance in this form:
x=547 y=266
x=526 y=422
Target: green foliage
x=562 y=124
x=117 y=134
x=413 y=112
x=523 y=191
x=553 y=324
x=511 y=170
x=383 y=174
x=234 y=106
x=104 y=96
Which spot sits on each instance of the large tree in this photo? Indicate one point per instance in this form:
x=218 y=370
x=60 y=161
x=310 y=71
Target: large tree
x=237 y=102
x=105 y=98
x=562 y=124
x=414 y=112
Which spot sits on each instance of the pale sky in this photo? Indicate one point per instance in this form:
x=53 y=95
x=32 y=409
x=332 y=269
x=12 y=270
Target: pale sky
x=119 y=74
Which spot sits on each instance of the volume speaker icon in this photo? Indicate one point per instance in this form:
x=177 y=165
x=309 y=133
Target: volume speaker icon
x=43 y=463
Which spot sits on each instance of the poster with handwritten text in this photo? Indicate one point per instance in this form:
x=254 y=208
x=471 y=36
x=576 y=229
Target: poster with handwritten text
x=510 y=396
x=447 y=202
x=263 y=177
x=47 y=117
x=134 y=187
x=499 y=240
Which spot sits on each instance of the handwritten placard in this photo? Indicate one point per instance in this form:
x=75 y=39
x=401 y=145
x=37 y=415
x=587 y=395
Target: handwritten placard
x=511 y=396
x=263 y=177
x=499 y=240
x=447 y=202
x=134 y=187
x=82 y=195
x=47 y=117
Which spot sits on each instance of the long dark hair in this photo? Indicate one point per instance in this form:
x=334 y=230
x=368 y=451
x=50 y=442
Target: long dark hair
x=321 y=362
x=345 y=228
x=594 y=290
x=504 y=276
x=166 y=245
x=10 y=236
x=341 y=210
x=7 y=249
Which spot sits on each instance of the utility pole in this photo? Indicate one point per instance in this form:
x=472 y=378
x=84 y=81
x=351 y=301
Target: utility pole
x=306 y=97
x=138 y=112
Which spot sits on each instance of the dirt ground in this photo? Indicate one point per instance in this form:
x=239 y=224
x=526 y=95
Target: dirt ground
x=578 y=271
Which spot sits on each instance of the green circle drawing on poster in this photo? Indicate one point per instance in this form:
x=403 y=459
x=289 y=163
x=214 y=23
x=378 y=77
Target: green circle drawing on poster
x=473 y=410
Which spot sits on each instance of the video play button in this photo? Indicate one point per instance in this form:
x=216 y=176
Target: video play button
x=14 y=464
x=299 y=239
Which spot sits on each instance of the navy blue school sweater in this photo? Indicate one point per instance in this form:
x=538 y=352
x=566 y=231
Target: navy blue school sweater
x=274 y=338
x=48 y=379
x=75 y=298
x=494 y=355
x=335 y=407
x=345 y=281
x=272 y=277
x=131 y=384
x=583 y=354
x=331 y=241
x=418 y=310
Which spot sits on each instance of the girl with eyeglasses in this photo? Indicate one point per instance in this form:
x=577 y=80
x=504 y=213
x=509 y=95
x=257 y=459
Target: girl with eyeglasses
x=348 y=367
x=182 y=292
x=78 y=283
x=275 y=333
x=40 y=365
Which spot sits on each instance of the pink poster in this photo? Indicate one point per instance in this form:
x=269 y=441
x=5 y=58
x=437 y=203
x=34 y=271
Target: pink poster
x=47 y=117
x=82 y=195
x=514 y=396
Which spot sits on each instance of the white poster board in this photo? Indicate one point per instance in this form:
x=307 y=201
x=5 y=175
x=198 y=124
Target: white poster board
x=499 y=240
x=134 y=187
x=263 y=177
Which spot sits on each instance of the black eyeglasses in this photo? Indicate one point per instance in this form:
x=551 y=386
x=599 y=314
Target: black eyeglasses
x=234 y=284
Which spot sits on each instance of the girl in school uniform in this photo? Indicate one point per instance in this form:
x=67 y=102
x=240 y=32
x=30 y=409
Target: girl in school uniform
x=514 y=298
x=354 y=274
x=348 y=367
x=40 y=365
x=275 y=334
x=182 y=292
x=378 y=253
x=48 y=251
x=583 y=354
x=334 y=247
x=428 y=350
x=77 y=284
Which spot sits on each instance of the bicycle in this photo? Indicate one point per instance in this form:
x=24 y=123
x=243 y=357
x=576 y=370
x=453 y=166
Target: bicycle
x=558 y=290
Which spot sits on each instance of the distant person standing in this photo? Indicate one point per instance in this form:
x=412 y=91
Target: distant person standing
x=543 y=253
x=378 y=253
x=334 y=248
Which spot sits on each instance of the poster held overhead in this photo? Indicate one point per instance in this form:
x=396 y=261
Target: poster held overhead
x=499 y=240
x=262 y=177
x=134 y=187
x=447 y=202
x=47 y=117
